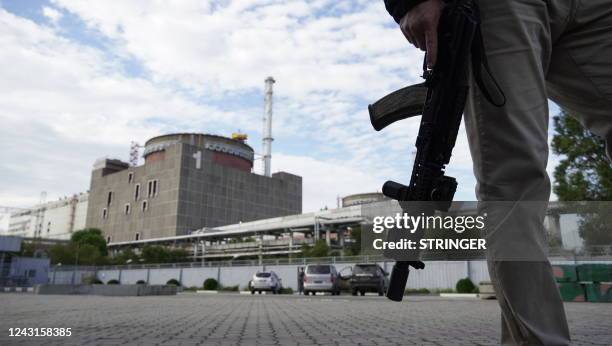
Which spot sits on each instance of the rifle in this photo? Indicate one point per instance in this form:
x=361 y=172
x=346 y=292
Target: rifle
x=441 y=100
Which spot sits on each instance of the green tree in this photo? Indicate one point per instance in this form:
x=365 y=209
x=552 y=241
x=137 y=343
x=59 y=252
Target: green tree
x=154 y=254
x=88 y=255
x=584 y=173
x=355 y=246
x=90 y=236
x=320 y=249
x=125 y=256
x=28 y=249
x=178 y=255
x=86 y=247
x=66 y=254
x=594 y=226
x=62 y=253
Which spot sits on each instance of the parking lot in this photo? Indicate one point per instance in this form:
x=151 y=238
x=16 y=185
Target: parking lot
x=231 y=319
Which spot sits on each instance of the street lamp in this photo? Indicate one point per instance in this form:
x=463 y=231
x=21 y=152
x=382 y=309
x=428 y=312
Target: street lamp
x=76 y=263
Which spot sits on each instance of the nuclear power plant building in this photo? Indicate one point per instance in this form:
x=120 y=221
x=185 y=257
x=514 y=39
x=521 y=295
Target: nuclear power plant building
x=187 y=182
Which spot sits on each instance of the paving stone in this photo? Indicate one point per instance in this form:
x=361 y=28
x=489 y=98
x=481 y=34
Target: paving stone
x=225 y=319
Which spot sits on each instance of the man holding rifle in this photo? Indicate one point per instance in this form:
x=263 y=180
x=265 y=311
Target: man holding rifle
x=537 y=50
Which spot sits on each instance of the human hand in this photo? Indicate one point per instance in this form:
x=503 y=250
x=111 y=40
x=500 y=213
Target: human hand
x=420 y=26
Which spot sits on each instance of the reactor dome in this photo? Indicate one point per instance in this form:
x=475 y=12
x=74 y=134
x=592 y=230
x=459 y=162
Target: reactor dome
x=226 y=151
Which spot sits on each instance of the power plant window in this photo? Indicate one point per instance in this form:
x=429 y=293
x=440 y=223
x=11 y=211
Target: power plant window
x=104 y=213
x=145 y=205
x=152 y=188
x=130 y=177
x=127 y=209
x=137 y=192
x=109 y=199
x=137 y=236
x=108 y=239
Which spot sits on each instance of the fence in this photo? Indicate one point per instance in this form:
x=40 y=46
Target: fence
x=437 y=275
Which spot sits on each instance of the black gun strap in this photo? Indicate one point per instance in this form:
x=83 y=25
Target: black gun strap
x=480 y=63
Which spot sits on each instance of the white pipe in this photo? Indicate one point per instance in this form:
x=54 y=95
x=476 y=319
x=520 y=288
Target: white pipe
x=267 y=128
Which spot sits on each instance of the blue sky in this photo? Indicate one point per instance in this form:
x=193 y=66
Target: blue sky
x=88 y=77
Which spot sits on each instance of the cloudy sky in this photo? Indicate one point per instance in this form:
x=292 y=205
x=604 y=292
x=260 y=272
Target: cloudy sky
x=81 y=79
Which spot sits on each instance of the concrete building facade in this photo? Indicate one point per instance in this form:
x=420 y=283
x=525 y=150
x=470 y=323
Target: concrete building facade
x=188 y=181
x=51 y=220
x=20 y=271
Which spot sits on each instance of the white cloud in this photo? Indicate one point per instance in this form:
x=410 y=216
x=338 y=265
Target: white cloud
x=52 y=14
x=66 y=102
x=307 y=49
x=324 y=181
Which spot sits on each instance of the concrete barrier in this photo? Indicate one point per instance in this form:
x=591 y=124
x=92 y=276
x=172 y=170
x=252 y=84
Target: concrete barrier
x=108 y=290
x=486 y=290
x=63 y=289
x=459 y=295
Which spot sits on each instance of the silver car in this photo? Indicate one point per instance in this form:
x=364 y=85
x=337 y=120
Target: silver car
x=266 y=281
x=321 y=278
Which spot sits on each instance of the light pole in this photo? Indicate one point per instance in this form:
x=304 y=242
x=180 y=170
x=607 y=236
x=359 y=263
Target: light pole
x=76 y=264
x=203 y=245
x=59 y=264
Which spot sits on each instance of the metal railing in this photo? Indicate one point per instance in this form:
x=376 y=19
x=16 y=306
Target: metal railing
x=14 y=281
x=254 y=244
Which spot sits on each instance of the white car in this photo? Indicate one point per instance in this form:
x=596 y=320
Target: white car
x=321 y=278
x=266 y=281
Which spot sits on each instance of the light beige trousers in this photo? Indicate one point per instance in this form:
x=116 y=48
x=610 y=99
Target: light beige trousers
x=537 y=50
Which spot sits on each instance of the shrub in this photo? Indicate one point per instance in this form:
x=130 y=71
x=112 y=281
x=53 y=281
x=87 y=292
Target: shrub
x=92 y=280
x=465 y=286
x=173 y=282
x=211 y=284
x=443 y=290
x=230 y=288
x=286 y=290
x=141 y=282
x=113 y=282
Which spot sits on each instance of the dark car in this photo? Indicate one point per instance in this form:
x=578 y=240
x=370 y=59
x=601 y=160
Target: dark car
x=368 y=278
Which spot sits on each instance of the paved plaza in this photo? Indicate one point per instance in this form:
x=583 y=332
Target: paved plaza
x=234 y=319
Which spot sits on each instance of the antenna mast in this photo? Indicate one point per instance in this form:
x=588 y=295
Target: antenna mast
x=134 y=153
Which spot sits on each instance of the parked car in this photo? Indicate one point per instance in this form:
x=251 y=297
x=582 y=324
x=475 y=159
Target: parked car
x=266 y=281
x=321 y=278
x=368 y=278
